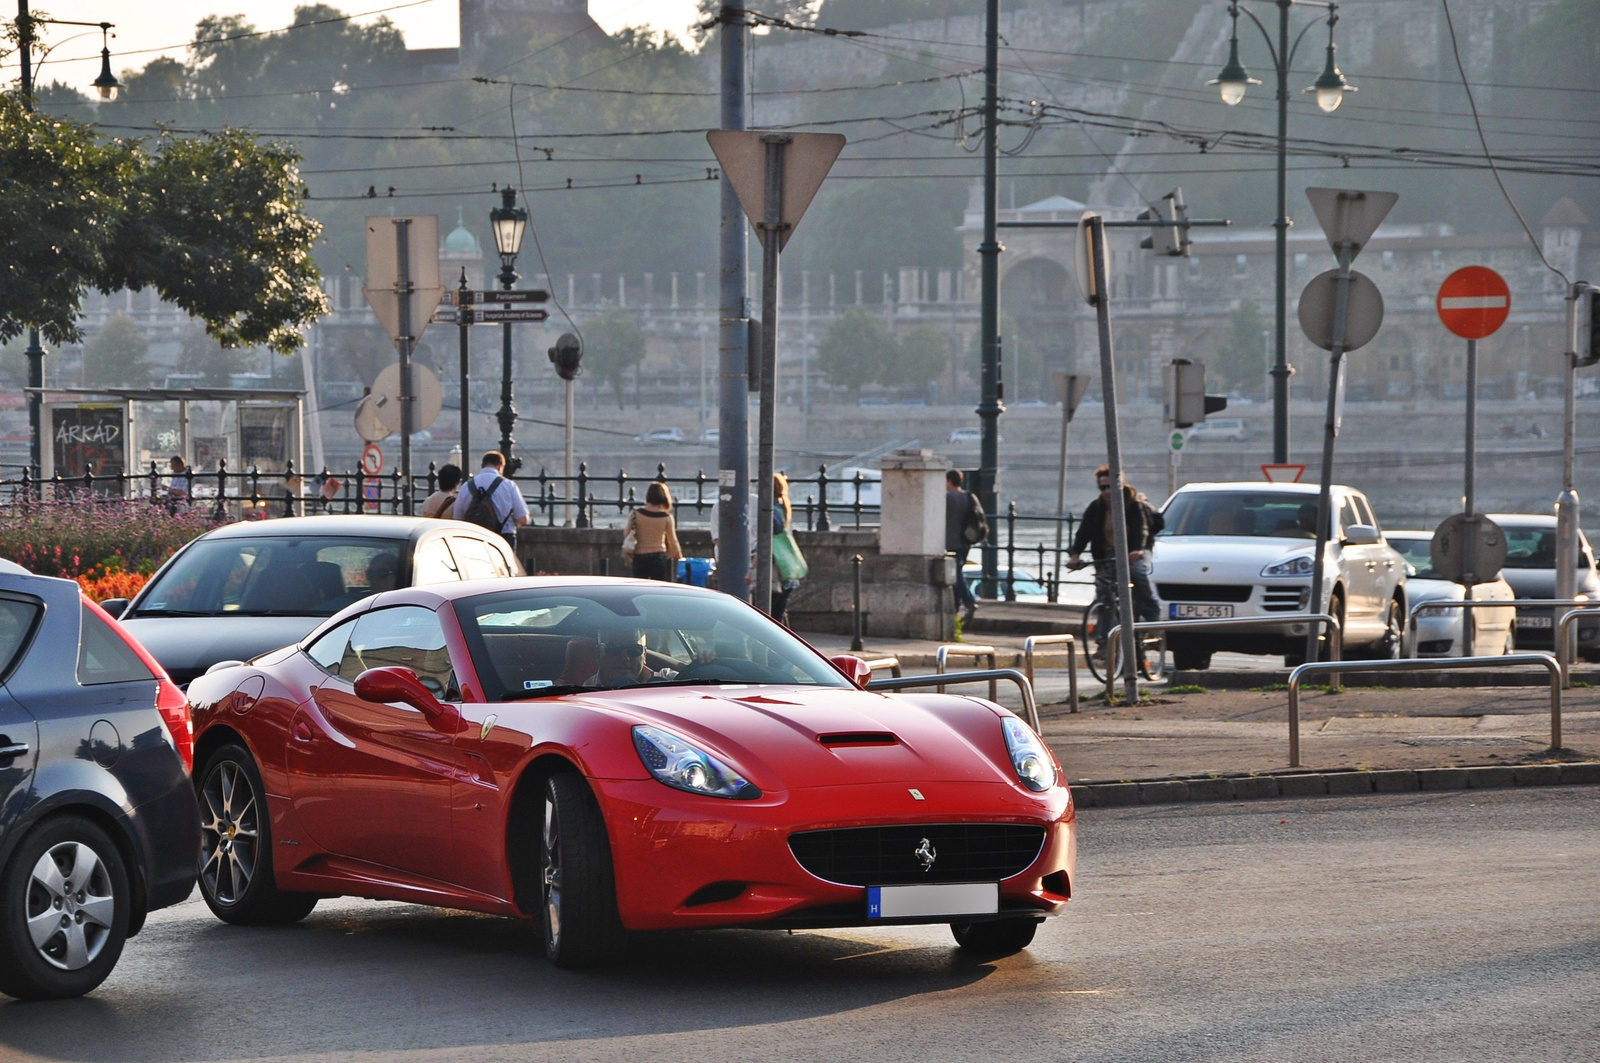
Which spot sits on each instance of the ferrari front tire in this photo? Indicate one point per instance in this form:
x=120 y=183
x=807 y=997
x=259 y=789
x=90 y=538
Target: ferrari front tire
x=1000 y=937
x=236 y=876
x=578 y=885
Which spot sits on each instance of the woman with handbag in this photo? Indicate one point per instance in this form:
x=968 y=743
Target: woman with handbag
x=650 y=538
x=786 y=555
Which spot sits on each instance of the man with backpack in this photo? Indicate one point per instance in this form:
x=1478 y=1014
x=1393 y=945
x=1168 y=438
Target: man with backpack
x=965 y=526
x=491 y=501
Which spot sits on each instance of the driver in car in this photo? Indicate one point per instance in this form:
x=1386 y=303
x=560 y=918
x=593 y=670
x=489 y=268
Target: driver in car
x=622 y=661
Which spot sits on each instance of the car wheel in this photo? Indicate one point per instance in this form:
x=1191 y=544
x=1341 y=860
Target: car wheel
x=581 y=926
x=1000 y=937
x=1388 y=647
x=1188 y=660
x=236 y=877
x=64 y=910
x=1336 y=609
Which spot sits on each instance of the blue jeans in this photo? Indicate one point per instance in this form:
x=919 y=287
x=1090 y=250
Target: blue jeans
x=963 y=591
x=1145 y=606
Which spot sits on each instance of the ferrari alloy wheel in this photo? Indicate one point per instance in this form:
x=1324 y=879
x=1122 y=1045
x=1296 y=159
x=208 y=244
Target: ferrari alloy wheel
x=236 y=846
x=579 y=893
x=1000 y=937
x=64 y=903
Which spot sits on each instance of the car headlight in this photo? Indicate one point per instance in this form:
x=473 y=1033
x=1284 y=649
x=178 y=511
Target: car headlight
x=1294 y=566
x=672 y=760
x=1029 y=758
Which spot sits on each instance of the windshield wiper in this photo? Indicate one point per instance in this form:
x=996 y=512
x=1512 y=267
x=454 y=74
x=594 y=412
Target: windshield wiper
x=168 y=612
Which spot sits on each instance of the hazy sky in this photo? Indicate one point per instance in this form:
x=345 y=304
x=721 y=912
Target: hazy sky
x=145 y=29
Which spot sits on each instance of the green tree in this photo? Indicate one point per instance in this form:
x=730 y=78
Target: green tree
x=1241 y=362
x=115 y=356
x=856 y=349
x=918 y=357
x=213 y=223
x=213 y=363
x=613 y=343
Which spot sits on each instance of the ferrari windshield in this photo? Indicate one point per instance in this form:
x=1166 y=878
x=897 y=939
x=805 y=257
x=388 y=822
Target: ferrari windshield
x=560 y=640
x=272 y=575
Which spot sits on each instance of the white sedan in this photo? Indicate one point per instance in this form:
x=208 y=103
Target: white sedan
x=1245 y=550
x=1438 y=632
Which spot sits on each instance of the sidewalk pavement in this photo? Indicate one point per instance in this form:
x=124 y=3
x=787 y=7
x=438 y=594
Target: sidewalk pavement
x=1226 y=732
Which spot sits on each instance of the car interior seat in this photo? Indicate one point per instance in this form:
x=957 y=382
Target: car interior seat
x=288 y=592
x=327 y=577
x=583 y=661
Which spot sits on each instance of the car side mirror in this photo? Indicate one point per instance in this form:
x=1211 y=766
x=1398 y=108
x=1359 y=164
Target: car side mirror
x=115 y=607
x=1361 y=535
x=402 y=685
x=854 y=668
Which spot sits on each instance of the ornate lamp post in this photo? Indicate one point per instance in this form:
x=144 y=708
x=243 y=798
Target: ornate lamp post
x=1330 y=87
x=509 y=222
x=106 y=85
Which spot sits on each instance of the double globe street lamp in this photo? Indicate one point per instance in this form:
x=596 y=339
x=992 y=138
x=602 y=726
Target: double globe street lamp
x=509 y=222
x=1329 y=88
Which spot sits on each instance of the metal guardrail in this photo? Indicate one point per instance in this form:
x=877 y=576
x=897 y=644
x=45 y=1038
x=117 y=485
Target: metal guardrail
x=1030 y=650
x=942 y=655
x=1297 y=676
x=1559 y=632
x=988 y=675
x=891 y=663
x=1335 y=644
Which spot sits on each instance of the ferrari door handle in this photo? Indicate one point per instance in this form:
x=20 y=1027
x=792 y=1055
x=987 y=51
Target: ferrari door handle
x=13 y=749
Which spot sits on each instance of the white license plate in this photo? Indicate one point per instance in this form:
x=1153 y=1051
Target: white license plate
x=1186 y=611
x=911 y=902
x=1534 y=621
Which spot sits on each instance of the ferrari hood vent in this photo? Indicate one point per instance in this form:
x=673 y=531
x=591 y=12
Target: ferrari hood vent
x=859 y=738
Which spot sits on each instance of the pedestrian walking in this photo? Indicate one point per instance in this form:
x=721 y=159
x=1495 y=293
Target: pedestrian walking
x=965 y=526
x=650 y=537
x=491 y=501
x=180 y=485
x=786 y=555
x=442 y=502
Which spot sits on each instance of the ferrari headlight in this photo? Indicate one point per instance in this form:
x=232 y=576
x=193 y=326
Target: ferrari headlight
x=672 y=760
x=1029 y=758
x=1294 y=566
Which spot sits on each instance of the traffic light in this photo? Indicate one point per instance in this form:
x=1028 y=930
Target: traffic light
x=1185 y=390
x=1588 y=309
x=1173 y=238
x=566 y=355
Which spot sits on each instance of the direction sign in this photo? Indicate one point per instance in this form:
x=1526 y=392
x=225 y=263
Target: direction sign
x=1474 y=302
x=458 y=297
x=1365 y=310
x=1349 y=217
x=806 y=161
x=369 y=425
x=383 y=270
x=484 y=315
x=1176 y=440
x=1448 y=549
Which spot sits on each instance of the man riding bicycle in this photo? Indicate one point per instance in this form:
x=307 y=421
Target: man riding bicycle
x=1095 y=532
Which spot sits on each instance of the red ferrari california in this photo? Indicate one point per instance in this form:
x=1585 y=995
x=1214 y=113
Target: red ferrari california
x=610 y=755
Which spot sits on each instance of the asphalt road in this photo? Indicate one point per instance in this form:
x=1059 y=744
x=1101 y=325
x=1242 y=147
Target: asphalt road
x=1416 y=927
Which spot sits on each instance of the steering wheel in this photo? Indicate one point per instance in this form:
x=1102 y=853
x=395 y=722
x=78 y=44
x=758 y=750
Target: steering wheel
x=729 y=668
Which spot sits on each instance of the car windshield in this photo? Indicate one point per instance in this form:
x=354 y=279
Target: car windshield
x=543 y=642
x=272 y=576
x=1416 y=553
x=1530 y=547
x=1264 y=514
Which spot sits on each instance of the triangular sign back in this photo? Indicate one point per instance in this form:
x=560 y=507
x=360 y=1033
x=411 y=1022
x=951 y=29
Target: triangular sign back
x=807 y=158
x=1349 y=216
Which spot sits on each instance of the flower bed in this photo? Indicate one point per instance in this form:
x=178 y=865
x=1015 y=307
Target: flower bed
x=111 y=547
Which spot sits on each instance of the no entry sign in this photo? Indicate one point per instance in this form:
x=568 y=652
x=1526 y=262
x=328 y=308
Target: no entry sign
x=1474 y=302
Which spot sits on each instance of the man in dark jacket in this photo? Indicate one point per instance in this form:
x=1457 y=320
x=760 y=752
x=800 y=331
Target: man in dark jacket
x=1095 y=532
x=959 y=507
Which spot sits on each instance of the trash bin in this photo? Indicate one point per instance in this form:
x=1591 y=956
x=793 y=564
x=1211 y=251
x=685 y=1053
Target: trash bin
x=696 y=571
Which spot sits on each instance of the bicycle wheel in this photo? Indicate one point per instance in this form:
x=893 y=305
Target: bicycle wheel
x=1098 y=620
x=1153 y=656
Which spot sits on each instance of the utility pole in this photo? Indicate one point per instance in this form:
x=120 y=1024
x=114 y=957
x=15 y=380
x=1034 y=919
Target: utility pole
x=991 y=404
x=733 y=450
x=34 y=353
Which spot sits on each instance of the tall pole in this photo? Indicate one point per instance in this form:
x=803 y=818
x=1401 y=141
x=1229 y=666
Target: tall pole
x=566 y=470
x=507 y=416
x=466 y=405
x=1061 y=477
x=402 y=236
x=733 y=454
x=1330 y=431
x=34 y=353
x=771 y=234
x=1469 y=548
x=1280 y=365
x=990 y=406
x=1567 y=503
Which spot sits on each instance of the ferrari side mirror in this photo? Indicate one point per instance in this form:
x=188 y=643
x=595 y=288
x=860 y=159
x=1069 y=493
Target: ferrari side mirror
x=402 y=685
x=854 y=668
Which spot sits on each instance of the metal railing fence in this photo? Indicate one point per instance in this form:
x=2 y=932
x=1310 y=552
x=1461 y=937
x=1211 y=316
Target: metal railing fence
x=1335 y=635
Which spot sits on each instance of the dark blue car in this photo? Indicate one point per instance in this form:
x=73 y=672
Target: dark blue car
x=98 y=819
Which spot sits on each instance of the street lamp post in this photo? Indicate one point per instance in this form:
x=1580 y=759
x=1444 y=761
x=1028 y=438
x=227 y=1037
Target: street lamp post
x=509 y=222
x=106 y=87
x=1329 y=88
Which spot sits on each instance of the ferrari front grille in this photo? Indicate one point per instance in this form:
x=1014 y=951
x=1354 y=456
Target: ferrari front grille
x=899 y=855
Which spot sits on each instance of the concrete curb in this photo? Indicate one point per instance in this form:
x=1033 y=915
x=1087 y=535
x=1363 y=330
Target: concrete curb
x=1224 y=680
x=1121 y=793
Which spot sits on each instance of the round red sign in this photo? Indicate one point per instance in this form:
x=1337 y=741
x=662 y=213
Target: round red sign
x=1473 y=302
x=372 y=459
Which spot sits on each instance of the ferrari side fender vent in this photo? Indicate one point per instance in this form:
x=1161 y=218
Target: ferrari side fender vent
x=859 y=738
